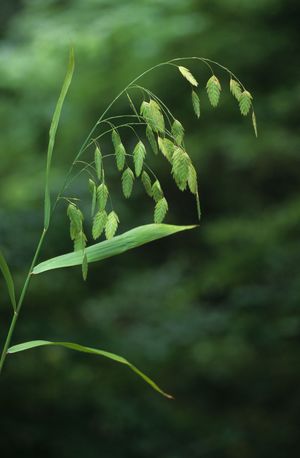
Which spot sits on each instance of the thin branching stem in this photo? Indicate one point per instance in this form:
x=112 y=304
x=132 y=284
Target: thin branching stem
x=20 y=301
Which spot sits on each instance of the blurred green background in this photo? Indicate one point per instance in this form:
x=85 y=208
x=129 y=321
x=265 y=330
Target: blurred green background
x=212 y=315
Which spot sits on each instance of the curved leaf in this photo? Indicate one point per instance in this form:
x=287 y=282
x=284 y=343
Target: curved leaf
x=117 y=245
x=94 y=351
x=9 y=280
x=52 y=133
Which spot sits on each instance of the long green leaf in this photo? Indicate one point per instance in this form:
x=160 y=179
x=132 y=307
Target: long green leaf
x=117 y=245
x=52 y=134
x=8 y=279
x=94 y=351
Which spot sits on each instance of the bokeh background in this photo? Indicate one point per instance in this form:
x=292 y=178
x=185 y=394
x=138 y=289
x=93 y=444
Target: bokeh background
x=213 y=315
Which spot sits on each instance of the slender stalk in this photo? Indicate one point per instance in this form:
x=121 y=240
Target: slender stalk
x=20 y=302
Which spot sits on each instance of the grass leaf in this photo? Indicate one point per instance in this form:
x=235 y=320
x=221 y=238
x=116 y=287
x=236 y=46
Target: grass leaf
x=52 y=134
x=94 y=351
x=120 y=244
x=9 y=280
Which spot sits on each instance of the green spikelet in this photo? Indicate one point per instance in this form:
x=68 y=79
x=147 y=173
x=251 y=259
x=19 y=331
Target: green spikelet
x=153 y=116
x=196 y=103
x=213 y=88
x=245 y=102
x=76 y=230
x=80 y=241
x=235 y=89
x=177 y=131
x=111 y=225
x=254 y=124
x=120 y=153
x=157 y=192
x=98 y=162
x=188 y=76
x=127 y=182
x=166 y=147
x=73 y=230
x=84 y=267
x=115 y=138
x=93 y=191
x=192 y=179
x=76 y=219
x=147 y=183
x=160 y=211
x=139 y=154
x=102 y=196
x=99 y=223
x=144 y=108
x=180 y=168
x=151 y=139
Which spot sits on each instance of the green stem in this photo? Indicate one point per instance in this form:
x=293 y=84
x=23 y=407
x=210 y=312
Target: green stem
x=20 y=302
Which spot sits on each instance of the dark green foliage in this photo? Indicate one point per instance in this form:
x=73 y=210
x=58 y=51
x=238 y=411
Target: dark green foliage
x=223 y=300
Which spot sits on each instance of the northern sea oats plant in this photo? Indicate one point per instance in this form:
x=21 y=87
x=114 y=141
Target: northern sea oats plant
x=156 y=130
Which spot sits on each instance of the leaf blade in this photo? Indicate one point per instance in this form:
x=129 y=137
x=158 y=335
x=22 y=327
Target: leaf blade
x=120 y=244
x=52 y=134
x=81 y=348
x=8 y=280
